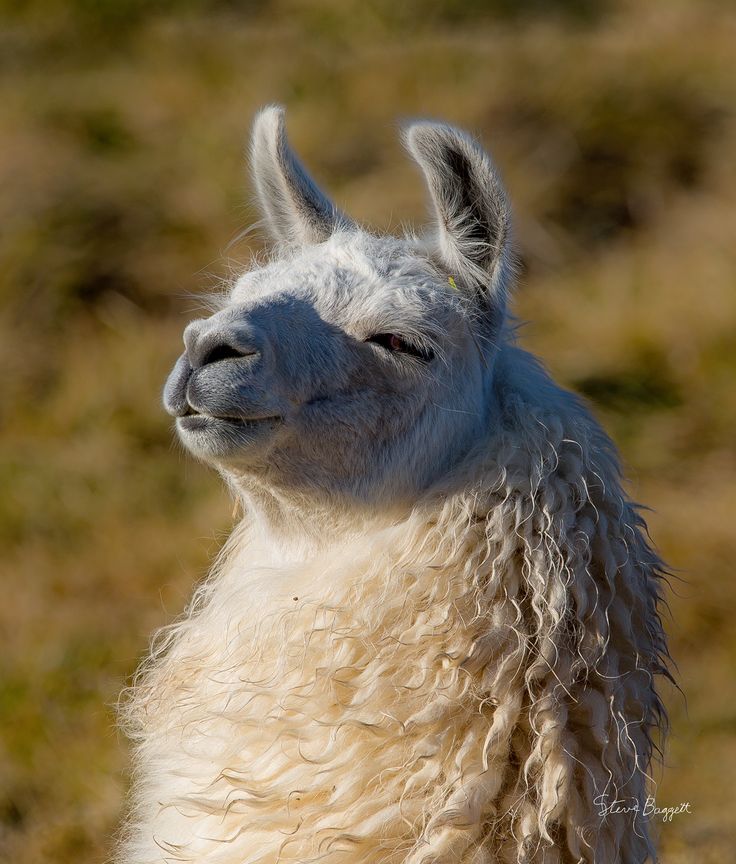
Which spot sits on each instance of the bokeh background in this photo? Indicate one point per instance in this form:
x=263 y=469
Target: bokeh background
x=122 y=196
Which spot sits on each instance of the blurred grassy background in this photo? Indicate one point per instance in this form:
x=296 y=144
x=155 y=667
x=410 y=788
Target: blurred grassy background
x=122 y=181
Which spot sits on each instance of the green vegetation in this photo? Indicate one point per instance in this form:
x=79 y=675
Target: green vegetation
x=122 y=184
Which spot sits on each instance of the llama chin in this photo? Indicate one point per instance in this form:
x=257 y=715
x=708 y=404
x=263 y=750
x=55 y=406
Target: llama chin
x=434 y=636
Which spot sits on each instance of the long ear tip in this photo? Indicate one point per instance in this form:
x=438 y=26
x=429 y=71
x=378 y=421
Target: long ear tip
x=271 y=113
x=268 y=124
x=419 y=136
x=432 y=143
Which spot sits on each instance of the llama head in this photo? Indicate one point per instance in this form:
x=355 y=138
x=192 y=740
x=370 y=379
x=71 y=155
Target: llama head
x=352 y=367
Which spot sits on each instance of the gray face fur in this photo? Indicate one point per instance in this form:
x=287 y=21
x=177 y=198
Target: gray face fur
x=353 y=368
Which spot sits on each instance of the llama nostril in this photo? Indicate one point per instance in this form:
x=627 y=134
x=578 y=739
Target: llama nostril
x=223 y=352
x=212 y=340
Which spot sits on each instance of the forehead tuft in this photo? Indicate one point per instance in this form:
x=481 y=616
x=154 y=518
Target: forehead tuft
x=353 y=255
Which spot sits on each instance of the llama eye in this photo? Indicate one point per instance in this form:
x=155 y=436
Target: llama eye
x=398 y=345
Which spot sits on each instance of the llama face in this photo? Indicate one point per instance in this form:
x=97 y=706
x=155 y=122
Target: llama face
x=351 y=366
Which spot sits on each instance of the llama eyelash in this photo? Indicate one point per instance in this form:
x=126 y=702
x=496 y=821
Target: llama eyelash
x=396 y=344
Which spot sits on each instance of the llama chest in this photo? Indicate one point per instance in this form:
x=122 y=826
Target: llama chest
x=441 y=700
x=309 y=731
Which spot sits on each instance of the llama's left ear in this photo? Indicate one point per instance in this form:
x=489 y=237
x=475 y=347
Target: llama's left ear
x=472 y=215
x=296 y=210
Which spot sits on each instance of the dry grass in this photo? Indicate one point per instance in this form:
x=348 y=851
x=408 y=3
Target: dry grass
x=122 y=183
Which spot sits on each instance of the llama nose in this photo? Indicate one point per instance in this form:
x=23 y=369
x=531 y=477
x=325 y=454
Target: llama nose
x=209 y=342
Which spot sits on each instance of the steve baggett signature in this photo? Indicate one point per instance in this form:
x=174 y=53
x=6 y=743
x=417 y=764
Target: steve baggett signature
x=647 y=810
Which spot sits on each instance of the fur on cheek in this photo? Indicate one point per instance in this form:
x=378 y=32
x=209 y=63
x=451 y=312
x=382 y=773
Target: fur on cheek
x=460 y=687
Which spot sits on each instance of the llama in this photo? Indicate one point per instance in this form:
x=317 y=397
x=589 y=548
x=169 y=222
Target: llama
x=434 y=635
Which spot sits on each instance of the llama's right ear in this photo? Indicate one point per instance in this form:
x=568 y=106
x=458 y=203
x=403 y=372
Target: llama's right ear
x=472 y=215
x=295 y=210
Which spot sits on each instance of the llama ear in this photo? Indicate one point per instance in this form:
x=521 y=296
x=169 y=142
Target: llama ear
x=472 y=216
x=296 y=210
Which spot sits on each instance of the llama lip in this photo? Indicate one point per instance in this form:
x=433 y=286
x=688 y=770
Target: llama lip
x=194 y=421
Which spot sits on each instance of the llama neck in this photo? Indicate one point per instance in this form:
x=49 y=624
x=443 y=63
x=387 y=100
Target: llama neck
x=296 y=527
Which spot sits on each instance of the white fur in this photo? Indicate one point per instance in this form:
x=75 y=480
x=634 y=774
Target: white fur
x=456 y=677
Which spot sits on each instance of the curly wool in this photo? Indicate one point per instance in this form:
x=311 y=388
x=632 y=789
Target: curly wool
x=460 y=686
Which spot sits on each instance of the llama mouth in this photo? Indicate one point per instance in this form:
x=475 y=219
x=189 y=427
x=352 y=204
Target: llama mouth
x=195 y=421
